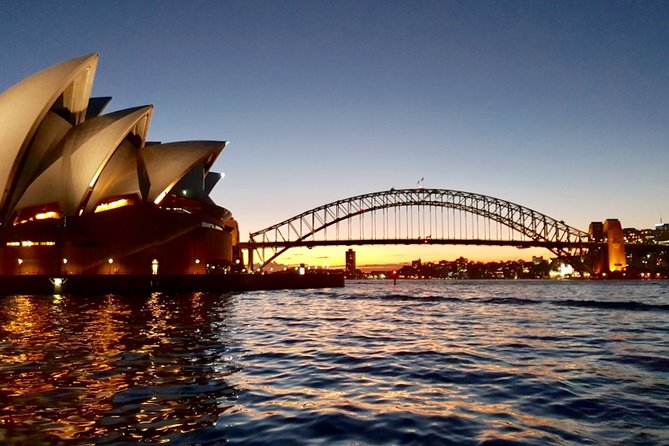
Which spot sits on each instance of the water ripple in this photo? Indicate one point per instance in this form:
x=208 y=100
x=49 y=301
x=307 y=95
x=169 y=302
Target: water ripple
x=462 y=363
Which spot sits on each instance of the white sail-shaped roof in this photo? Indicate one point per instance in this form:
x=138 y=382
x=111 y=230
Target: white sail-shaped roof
x=55 y=147
x=85 y=153
x=167 y=163
x=119 y=177
x=64 y=88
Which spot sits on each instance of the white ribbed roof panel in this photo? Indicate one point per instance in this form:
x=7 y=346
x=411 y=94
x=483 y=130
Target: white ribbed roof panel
x=86 y=151
x=119 y=177
x=23 y=107
x=167 y=163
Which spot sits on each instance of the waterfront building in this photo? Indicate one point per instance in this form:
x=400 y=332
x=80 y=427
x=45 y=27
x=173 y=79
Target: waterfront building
x=647 y=235
x=85 y=192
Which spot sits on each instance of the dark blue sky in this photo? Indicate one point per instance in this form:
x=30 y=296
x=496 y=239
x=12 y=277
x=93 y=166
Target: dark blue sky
x=560 y=106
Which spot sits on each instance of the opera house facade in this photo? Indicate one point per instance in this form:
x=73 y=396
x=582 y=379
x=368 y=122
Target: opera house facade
x=85 y=193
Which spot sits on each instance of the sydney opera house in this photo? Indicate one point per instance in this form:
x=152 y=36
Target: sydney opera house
x=85 y=193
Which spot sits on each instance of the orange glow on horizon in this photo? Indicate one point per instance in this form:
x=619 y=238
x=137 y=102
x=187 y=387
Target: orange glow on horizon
x=372 y=256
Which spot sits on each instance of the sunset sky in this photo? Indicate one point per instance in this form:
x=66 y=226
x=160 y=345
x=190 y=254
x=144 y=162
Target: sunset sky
x=559 y=106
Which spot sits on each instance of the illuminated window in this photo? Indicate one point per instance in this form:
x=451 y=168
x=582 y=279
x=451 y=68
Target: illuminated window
x=211 y=226
x=47 y=215
x=112 y=205
x=182 y=210
x=28 y=215
x=30 y=243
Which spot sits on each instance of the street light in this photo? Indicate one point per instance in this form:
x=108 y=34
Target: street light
x=20 y=262
x=110 y=264
x=197 y=264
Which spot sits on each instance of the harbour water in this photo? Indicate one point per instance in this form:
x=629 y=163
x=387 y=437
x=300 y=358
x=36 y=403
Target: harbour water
x=433 y=362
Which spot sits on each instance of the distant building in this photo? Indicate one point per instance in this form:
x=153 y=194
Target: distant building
x=647 y=235
x=662 y=233
x=350 y=263
x=632 y=235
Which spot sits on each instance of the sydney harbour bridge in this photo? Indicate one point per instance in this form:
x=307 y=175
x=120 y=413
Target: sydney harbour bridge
x=422 y=216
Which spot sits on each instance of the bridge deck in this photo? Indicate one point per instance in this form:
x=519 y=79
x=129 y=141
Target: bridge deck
x=421 y=241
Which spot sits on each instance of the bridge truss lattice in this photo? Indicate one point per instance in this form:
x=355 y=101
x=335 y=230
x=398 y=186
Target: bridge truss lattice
x=418 y=216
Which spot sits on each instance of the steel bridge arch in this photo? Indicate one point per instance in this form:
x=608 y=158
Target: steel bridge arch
x=534 y=228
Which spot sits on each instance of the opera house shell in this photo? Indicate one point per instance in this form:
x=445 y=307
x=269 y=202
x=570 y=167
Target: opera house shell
x=85 y=193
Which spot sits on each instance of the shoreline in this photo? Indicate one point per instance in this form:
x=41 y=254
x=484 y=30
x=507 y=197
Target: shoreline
x=126 y=283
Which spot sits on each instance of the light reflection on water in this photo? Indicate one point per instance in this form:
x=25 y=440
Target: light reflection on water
x=420 y=362
x=110 y=368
